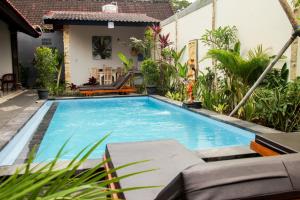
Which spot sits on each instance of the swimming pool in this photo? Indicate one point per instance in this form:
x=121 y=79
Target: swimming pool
x=131 y=119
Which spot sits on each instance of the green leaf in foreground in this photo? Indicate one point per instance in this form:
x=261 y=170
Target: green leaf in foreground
x=50 y=181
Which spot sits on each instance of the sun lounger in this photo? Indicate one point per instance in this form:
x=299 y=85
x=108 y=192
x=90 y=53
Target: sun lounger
x=275 y=177
x=117 y=87
x=167 y=156
x=255 y=178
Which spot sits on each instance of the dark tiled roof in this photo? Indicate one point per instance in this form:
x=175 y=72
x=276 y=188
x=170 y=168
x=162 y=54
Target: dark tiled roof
x=34 y=10
x=98 y=16
x=10 y=14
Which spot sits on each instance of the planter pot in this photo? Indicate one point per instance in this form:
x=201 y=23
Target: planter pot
x=151 y=89
x=43 y=93
x=196 y=104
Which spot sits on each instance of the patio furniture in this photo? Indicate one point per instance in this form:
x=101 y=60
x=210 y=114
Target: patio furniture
x=184 y=176
x=167 y=156
x=6 y=80
x=117 y=87
x=107 y=75
x=94 y=72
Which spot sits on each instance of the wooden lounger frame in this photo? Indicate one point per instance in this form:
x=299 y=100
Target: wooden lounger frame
x=121 y=90
x=262 y=150
x=110 y=177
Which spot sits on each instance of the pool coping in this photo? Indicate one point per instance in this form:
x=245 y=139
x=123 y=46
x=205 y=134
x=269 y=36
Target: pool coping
x=10 y=169
x=249 y=126
x=13 y=126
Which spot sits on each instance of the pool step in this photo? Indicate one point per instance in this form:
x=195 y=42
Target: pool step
x=226 y=153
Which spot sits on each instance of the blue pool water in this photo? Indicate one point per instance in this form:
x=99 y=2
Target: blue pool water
x=132 y=119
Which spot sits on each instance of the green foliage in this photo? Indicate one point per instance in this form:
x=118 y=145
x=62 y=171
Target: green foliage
x=277 y=78
x=173 y=71
x=127 y=62
x=205 y=91
x=179 y=5
x=150 y=71
x=296 y=3
x=280 y=107
x=239 y=73
x=46 y=61
x=177 y=96
x=220 y=108
x=46 y=182
x=235 y=66
x=221 y=38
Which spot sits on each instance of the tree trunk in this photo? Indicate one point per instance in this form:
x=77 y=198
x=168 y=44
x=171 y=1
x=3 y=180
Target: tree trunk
x=213 y=27
x=294 y=49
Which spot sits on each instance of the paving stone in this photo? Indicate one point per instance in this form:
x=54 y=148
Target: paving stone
x=14 y=119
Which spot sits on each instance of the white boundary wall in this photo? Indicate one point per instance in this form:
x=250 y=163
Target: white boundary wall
x=258 y=22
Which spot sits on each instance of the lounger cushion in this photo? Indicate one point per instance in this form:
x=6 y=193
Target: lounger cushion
x=167 y=156
x=267 y=178
x=292 y=164
x=116 y=85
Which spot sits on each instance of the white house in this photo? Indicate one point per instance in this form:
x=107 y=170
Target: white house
x=258 y=22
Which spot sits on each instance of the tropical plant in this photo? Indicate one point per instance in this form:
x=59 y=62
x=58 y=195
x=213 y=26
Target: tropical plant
x=92 y=81
x=239 y=72
x=48 y=182
x=46 y=62
x=127 y=62
x=164 y=40
x=280 y=107
x=174 y=96
x=150 y=70
x=220 y=108
x=156 y=30
x=276 y=77
x=220 y=38
x=205 y=91
x=177 y=73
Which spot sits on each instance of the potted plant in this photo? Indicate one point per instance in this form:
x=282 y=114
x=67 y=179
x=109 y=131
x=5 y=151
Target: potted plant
x=150 y=70
x=46 y=61
x=138 y=48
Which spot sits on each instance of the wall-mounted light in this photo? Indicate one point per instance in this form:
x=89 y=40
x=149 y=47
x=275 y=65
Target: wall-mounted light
x=110 y=25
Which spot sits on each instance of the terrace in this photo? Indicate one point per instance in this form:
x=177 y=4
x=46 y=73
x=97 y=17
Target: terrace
x=123 y=103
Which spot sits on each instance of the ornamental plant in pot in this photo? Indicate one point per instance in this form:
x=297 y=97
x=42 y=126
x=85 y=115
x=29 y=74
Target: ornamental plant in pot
x=150 y=70
x=46 y=61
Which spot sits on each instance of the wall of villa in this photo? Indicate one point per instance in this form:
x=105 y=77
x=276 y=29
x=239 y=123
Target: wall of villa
x=5 y=50
x=27 y=46
x=80 y=48
x=257 y=21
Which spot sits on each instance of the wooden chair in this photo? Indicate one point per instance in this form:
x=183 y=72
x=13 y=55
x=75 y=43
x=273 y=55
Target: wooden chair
x=94 y=72
x=107 y=75
x=8 y=79
x=119 y=72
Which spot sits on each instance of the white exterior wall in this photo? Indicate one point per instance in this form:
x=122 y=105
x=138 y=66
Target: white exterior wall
x=5 y=50
x=81 y=58
x=258 y=22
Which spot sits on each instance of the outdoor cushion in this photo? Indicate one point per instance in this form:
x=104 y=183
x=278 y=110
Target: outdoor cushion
x=167 y=156
x=254 y=178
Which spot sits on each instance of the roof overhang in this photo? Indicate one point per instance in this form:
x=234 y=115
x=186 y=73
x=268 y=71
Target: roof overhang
x=58 y=18
x=15 y=19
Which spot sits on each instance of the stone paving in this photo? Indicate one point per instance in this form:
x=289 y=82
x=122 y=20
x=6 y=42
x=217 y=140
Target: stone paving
x=14 y=113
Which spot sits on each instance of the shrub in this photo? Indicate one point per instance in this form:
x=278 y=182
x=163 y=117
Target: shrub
x=280 y=107
x=150 y=71
x=46 y=61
